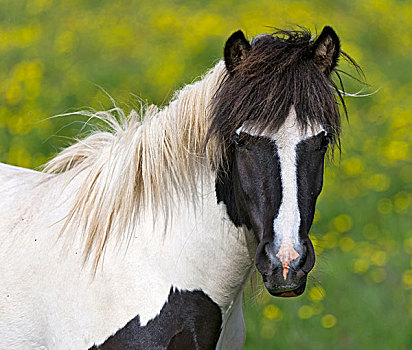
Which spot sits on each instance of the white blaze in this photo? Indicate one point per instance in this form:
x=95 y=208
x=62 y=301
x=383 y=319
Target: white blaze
x=287 y=223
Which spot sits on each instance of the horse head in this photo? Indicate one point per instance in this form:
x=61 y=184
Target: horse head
x=276 y=113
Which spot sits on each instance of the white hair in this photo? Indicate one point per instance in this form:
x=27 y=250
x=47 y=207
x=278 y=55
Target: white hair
x=143 y=161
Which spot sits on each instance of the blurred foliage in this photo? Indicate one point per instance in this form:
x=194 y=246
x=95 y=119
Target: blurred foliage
x=56 y=54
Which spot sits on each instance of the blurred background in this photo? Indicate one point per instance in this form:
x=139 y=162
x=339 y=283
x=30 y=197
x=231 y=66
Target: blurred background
x=58 y=56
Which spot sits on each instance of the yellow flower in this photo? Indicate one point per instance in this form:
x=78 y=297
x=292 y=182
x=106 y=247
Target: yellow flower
x=328 y=321
x=343 y=223
x=305 y=312
x=14 y=94
x=385 y=206
x=379 y=258
x=378 y=182
x=402 y=201
x=316 y=293
x=272 y=312
x=360 y=266
x=346 y=244
x=353 y=166
x=407 y=277
x=396 y=150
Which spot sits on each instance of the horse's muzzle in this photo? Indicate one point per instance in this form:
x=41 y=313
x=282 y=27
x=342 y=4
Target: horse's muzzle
x=285 y=280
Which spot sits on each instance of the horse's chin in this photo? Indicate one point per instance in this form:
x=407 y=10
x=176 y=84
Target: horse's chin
x=289 y=293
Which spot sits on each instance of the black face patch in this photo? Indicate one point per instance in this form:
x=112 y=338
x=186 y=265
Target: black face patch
x=310 y=155
x=251 y=186
x=188 y=320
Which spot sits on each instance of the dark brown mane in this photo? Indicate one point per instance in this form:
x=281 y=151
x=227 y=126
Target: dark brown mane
x=278 y=72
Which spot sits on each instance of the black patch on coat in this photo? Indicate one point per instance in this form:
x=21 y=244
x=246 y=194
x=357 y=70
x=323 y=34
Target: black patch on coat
x=188 y=320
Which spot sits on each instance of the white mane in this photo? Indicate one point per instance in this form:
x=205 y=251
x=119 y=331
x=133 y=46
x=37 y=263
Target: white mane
x=143 y=161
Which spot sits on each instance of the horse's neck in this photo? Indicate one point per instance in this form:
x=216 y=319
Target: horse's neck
x=199 y=249
x=208 y=250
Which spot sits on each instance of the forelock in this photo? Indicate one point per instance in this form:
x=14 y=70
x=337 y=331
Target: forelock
x=279 y=72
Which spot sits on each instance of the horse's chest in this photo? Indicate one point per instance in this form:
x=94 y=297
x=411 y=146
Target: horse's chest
x=188 y=320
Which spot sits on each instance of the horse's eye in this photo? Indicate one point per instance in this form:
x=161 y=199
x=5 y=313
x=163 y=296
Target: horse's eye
x=322 y=142
x=326 y=140
x=236 y=140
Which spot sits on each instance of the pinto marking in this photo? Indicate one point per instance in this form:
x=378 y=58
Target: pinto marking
x=188 y=320
x=119 y=218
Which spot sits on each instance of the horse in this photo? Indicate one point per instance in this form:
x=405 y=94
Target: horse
x=144 y=235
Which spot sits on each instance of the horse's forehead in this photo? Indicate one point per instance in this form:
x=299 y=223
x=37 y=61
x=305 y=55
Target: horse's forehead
x=290 y=133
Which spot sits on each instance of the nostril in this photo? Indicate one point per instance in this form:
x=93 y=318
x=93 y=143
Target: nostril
x=300 y=263
x=308 y=257
x=262 y=260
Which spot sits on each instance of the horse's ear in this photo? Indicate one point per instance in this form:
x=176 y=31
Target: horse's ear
x=235 y=51
x=326 y=50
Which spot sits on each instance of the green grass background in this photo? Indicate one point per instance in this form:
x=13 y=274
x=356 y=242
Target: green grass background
x=55 y=54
